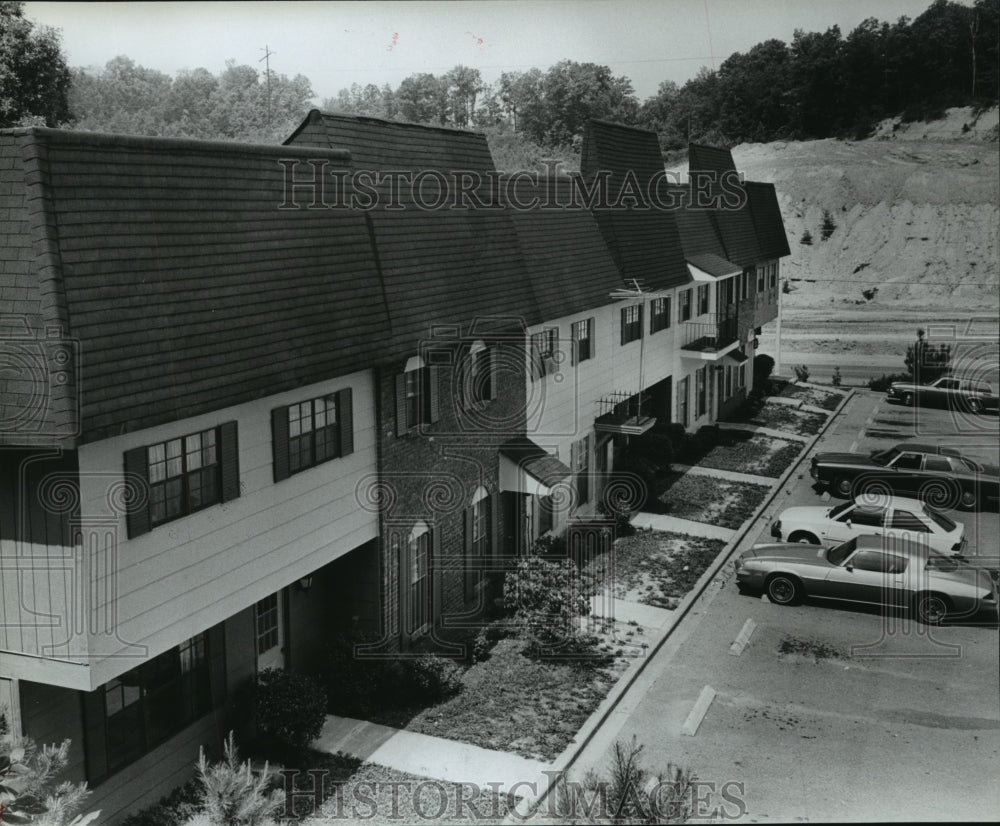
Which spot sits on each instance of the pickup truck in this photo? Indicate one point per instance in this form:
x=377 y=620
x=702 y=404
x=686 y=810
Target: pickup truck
x=948 y=391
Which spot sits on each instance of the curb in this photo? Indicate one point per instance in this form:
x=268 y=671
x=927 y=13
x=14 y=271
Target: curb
x=600 y=715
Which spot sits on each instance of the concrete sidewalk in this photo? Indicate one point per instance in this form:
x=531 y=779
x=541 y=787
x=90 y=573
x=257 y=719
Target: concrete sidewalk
x=663 y=522
x=731 y=475
x=427 y=756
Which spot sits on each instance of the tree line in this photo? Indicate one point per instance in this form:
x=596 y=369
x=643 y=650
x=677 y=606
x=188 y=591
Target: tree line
x=820 y=85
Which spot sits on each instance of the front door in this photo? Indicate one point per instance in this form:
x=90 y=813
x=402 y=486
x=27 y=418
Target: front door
x=269 y=627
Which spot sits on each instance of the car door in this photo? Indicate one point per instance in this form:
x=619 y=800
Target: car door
x=907 y=472
x=856 y=521
x=869 y=575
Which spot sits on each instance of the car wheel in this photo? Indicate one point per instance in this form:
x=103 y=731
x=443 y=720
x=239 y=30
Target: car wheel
x=908 y=399
x=969 y=500
x=931 y=608
x=842 y=486
x=804 y=537
x=783 y=589
x=975 y=406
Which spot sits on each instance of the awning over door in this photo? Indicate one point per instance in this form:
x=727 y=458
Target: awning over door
x=526 y=467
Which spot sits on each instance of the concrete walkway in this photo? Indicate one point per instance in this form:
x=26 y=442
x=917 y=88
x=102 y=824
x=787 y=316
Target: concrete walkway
x=731 y=475
x=663 y=522
x=608 y=606
x=427 y=756
x=765 y=431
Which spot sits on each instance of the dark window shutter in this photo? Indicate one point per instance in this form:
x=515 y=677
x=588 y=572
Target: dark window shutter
x=592 y=332
x=624 y=325
x=496 y=528
x=433 y=394
x=468 y=530
x=230 y=461
x=469 y=573
x=536 y=359
x=642 y=308
x=279 y=442
x=95 y=744
x=401 y=428
x=575 y=352
x=217 y=665
x=345 y=417
x=137 y=518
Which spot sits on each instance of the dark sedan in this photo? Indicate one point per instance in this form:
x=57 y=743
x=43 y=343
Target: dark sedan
x=948 y=391
x=873 y=570
x=940 y=476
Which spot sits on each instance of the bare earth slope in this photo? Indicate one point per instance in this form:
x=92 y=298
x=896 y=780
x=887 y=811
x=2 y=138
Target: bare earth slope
x=917 y=219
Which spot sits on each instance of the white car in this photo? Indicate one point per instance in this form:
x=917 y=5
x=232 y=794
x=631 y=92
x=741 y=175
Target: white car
x=891 y=516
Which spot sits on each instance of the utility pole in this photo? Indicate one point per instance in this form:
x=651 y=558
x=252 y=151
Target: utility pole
x=267 y=74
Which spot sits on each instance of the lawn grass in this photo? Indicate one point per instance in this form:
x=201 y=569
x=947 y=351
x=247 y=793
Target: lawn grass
x=708 y=499
x=656 y=568
x=512 y=702
x=754 y=453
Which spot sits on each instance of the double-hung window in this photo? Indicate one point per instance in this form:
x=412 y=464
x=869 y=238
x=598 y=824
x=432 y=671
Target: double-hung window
x=583 y=339
x=181 y=476
x=659 y=315
x=311 y=432
x=543 y=352
x=478 y=377
x=631 y=323
x=685 y=305
x=702 y=299
x=700 y=392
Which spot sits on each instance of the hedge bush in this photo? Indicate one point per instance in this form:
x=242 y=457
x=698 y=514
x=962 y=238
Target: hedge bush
x=289 y=708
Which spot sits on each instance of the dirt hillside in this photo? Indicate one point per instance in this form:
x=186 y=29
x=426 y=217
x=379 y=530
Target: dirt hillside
x=916 y=218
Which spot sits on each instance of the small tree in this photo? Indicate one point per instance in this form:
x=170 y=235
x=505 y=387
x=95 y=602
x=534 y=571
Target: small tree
x=232 y=794
x=836 y=380
x=28 y=791
x=926 y=362
x=763 y=367
x=802 y=373
x=548 y=597
x=826 y=230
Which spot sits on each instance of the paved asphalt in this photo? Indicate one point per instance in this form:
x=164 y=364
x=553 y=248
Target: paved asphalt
x=861 y=717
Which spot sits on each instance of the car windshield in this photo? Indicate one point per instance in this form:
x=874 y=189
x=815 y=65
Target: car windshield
x=940 y=520
x=835 y=512
x=837 y=555
x=883 y=457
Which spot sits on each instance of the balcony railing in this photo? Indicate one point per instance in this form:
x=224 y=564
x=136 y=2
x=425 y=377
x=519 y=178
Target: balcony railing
x=709 y=334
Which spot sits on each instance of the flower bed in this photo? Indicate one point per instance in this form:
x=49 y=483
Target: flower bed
x=512 y=702
x=782 y=417
x=810 y=395
x=656 y=568
x=754 y=453
x=708 y=499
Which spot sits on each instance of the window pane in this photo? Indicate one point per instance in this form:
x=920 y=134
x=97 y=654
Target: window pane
x=175 y=464
x=173 y=494
x=192 y=447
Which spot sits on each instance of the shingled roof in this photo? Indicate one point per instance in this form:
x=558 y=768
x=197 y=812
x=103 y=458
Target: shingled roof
x=185 y=286
x=442 y=267
x=644 y=243
x=767 y=221
x=734 y=223
x=569 y=266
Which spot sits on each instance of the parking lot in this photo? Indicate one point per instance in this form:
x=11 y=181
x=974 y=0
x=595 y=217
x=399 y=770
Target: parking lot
x=832 y=711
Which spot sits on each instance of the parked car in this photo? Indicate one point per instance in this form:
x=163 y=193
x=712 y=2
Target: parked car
x=948 y=391
x=894 y=516
x=872 y=570
x=940 y=476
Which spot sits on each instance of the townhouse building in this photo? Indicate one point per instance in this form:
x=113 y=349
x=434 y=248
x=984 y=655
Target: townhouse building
x=189 y=414
x=262 y=395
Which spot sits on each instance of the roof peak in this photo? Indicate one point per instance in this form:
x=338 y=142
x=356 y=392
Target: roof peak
x=452 y=130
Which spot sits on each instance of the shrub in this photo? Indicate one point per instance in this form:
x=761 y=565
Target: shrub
x=620 y=514
x=289 y=708
x=548 y=597
x=806 y=238
x=177 y=807
x=489 y=636
x=836 y=380
x=802 y=373
x=882 y=383
x=433 y=679
x=870 y=293
x=763 y=367
x=828 y=226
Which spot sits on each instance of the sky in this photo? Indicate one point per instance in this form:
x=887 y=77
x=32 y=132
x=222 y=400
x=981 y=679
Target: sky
x=335 y=44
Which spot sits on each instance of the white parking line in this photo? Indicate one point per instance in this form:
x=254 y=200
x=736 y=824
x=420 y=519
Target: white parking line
x=698 y=711
x=743 y=638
